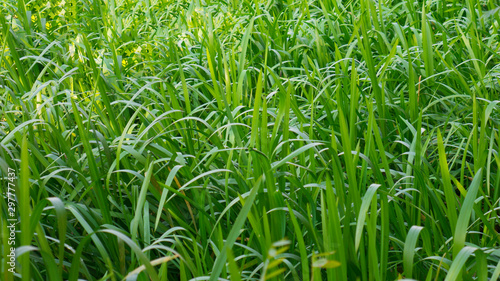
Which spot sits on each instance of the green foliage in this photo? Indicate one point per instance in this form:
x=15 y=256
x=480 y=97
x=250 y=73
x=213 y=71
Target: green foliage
x=251 y=140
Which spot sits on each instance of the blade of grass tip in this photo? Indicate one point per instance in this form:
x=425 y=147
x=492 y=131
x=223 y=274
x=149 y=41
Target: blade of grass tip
x=61 y=224
x=481 y=266
x=256 y=110
x=25 y=208
x=427 y=44
x=141 y=200
x=336 y=230
x=458 y=263
x=365 y=204
x=220 y=261
x=354 y=103
x=409 y=250
x=354 y=192
x=465 y=213
x=302 y=245
x=217 y=92
x=242 y=56
x=413 y=100
x=164 y=194
x=43 y=245
x=233 y=267
x=278 y=164
x=448 y=189
x=48 y=257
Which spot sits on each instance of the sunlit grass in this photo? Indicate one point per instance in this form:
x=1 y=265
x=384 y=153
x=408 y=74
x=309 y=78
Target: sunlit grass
x=251 y=140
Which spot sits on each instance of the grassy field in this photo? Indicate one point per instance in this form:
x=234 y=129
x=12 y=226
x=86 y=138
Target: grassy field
x=250 y=140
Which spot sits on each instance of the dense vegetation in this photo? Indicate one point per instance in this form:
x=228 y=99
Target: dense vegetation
x=251 y=140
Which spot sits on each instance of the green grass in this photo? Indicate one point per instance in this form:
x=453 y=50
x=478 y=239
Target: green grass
x=251 y=140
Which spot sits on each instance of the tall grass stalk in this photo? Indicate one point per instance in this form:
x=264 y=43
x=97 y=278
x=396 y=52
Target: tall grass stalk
x=251 y=140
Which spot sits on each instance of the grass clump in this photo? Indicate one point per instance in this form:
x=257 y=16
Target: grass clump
x=251 y=140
